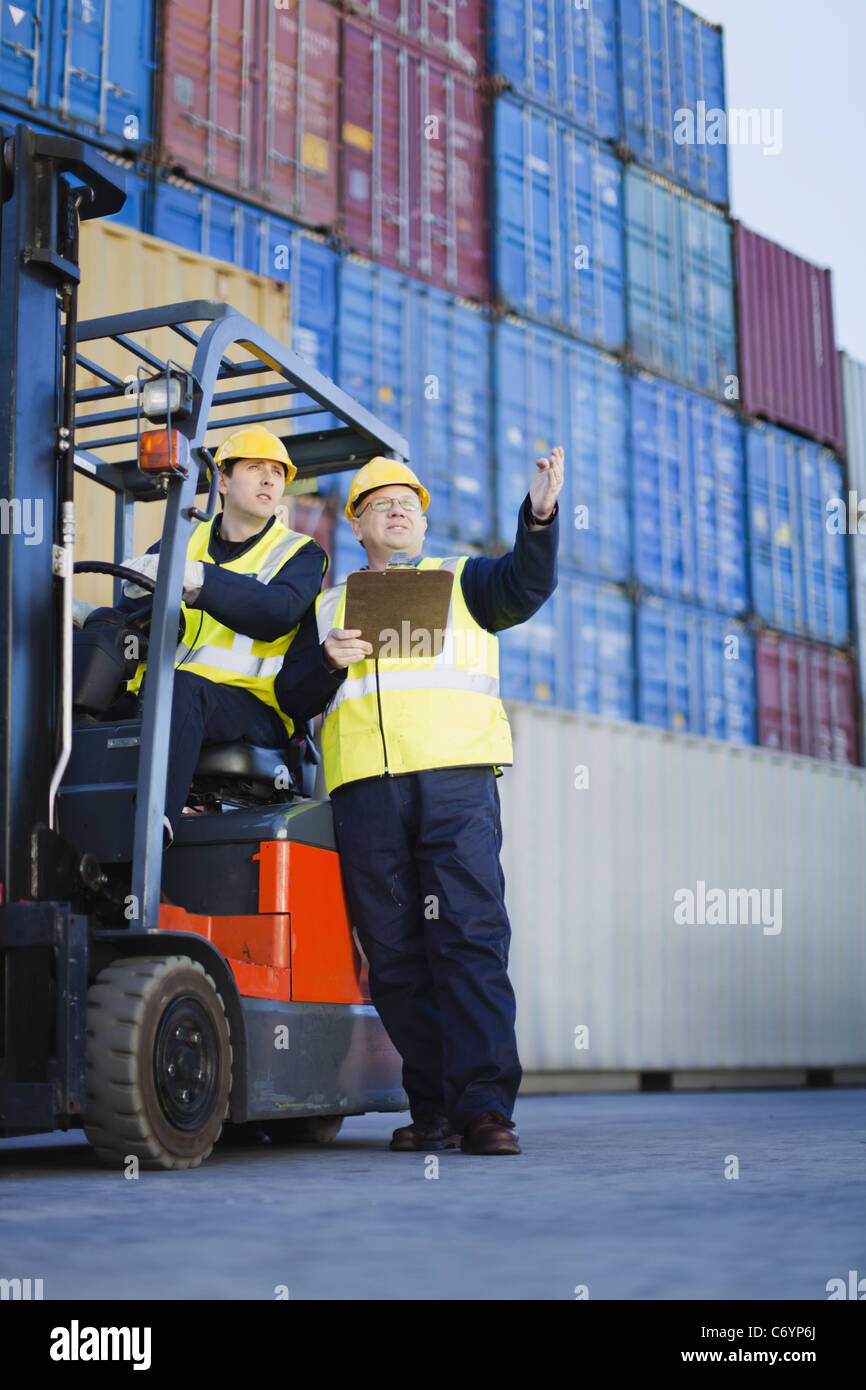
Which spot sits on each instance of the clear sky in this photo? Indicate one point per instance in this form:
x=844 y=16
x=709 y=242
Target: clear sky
x=808 y=59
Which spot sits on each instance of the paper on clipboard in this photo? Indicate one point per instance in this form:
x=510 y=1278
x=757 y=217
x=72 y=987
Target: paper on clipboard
x=402 y=612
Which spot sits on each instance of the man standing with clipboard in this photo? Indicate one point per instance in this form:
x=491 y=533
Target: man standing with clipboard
x=413 y=739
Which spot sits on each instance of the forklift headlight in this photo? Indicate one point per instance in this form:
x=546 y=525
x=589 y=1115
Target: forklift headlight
x=164 y=451
x=162 y=396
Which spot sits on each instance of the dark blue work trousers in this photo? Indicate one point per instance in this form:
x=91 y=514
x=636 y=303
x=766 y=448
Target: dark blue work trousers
x=425 y=889
x=203 y=712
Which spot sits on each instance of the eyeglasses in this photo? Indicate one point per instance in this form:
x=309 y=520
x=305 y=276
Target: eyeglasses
x=384 y=504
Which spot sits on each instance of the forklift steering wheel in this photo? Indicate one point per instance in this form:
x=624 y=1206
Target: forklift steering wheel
x=120 y=571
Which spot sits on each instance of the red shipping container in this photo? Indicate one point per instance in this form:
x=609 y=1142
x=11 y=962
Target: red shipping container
x=249 y=101
x=413 y=180
x=788 y=360
x=807 y=700
x=451 y=31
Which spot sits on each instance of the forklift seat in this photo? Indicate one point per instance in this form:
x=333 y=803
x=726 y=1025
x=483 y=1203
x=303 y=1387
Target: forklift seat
x=241 y=760
x=258 y=774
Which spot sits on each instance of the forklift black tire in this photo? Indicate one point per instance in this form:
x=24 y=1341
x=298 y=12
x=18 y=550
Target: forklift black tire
x=307 y=1129
x=159 y=1062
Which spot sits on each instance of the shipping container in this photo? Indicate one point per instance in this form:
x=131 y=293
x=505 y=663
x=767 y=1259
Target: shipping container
x=561 y=56
x=606 y=886
x=548 y=390
x=576 y=652
x=557 y=231
x=451 y=31
x=806 y=699
x=414 y=172
x=419 y=359
x=223 y=227
x=84 y=67
x=123 y=270
x=249 y=101
x=680 y=291
x=789 y=367
x=798 y=561
x=673 y=94
x=695 y=670
x=688 y=484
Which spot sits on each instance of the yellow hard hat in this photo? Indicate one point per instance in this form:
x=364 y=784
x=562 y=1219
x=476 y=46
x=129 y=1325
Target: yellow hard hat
x=378 y=473
x=255 y=442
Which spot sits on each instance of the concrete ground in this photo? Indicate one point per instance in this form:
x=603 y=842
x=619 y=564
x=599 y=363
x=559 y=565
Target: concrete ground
x=624 y=1194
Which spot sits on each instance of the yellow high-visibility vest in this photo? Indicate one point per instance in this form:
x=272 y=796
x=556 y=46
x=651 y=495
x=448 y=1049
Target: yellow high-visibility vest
x=417 y=712
x=211 y=649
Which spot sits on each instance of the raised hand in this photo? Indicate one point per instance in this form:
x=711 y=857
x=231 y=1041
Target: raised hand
x=547 y=483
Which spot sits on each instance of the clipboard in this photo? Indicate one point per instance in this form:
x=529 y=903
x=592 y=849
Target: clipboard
x=403 y=612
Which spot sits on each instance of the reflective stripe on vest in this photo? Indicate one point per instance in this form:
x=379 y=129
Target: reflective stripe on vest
x=228 y=657
x=436 y=711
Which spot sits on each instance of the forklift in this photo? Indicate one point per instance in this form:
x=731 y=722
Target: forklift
x=154 y=997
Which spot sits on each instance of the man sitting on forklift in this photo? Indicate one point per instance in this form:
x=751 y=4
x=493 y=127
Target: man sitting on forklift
x=248 y=582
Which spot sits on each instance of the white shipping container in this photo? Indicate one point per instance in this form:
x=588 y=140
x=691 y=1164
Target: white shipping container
x=596 y=877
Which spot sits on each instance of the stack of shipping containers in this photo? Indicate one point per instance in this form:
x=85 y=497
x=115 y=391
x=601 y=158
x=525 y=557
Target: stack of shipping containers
x=482 y=221
x=489 y=234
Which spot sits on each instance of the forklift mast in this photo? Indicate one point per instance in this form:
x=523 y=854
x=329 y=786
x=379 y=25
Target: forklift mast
x=41 y=205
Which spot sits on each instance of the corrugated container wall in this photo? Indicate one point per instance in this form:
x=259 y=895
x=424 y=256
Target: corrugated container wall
x=576 y=652
x=673 y=91
x=414 y=180
x=550 y=390
x=123 y=270
x=789 y=366
x=561 y=56
x=557 y=244
x=695 y=671
x=688 y=482
x=854 y=399
x=249 y=101
x=607 y=881
x=85 y=67
x=806 y=699
x=451 y=31
x=680 y=289
x=419 y=359
x=799 y=565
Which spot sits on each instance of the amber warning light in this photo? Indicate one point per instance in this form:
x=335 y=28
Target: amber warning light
x=164 y=451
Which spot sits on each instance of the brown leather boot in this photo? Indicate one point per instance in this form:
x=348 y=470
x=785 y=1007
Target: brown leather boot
x=428 y=1132
x=490 y=1133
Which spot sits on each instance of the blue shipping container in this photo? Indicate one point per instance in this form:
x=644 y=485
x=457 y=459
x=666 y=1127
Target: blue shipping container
x=557 y=232
x=420 y=360
x=82 y=66
x=799 y=563
x=689 y=491
x=548 y=390
x=560 y=55
x=680 y=286
x=673 y=87
x=575 y=653
x=696 y=671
